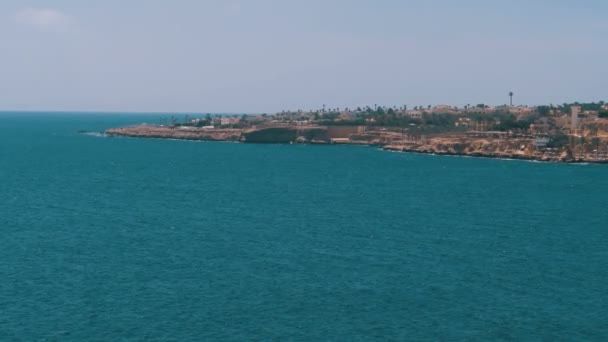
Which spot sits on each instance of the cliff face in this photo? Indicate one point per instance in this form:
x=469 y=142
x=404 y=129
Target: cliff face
x=304 y=135
x=491 y=148
x=344 y=132
x=294 y=134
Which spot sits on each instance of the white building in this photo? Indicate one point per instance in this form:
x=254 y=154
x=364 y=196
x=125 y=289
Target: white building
x=225 y=121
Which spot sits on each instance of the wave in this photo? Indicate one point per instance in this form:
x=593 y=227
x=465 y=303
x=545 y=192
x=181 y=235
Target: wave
x=95 y=134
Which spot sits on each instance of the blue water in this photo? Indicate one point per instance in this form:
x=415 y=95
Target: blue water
x=130 y=239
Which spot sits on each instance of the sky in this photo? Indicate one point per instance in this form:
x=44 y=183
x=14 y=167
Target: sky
x=257 y=56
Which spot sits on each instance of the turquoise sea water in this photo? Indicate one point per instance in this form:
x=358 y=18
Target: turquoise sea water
x=128 y=239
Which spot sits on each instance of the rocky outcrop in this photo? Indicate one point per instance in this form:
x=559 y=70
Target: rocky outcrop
x=184 y=133
x=288 y=134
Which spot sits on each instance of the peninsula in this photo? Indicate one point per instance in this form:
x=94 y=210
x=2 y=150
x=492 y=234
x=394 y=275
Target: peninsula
x=567 y=133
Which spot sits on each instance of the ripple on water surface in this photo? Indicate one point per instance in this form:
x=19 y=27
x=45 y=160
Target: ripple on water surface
x=120 y=238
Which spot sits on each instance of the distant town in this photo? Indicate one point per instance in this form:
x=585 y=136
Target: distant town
x=569 y=132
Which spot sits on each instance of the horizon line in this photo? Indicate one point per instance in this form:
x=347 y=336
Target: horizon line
x=182 y=112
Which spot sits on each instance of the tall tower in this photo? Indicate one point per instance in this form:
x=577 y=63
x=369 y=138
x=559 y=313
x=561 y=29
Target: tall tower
x=511 y=96
x=576 y=110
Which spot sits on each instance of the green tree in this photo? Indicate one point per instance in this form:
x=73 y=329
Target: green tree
x=543 y=110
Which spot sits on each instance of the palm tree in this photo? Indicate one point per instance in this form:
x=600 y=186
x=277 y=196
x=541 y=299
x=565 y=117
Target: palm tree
x=511 y=96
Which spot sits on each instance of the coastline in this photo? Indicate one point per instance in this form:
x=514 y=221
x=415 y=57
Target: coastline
x=461 y=145
x=500 y=157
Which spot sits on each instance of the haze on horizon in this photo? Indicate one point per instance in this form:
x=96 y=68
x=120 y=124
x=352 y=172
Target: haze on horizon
x=247 y=56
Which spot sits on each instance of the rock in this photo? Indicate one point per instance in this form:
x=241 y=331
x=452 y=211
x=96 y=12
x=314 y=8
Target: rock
x=169 y=132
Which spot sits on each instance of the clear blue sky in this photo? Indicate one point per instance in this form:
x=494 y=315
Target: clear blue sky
x=265 y=55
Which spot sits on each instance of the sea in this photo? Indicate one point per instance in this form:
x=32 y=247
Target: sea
x=124 y=239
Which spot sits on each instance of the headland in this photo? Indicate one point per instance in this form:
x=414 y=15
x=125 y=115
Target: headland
x=566 y=134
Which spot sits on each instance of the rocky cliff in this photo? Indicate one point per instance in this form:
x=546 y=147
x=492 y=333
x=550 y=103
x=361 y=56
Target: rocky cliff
x=490 y=148
x=304 y=135
x=167 y=132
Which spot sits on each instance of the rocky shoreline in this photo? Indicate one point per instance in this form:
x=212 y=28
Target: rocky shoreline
x=455 y=144
x=503 y=156
x=166 y=132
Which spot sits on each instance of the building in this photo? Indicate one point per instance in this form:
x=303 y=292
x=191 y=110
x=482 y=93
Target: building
x=521 y=110
x=463 y=122
x=576 y=110
x=414 y=114
x=591 y=114
x=444 y=109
